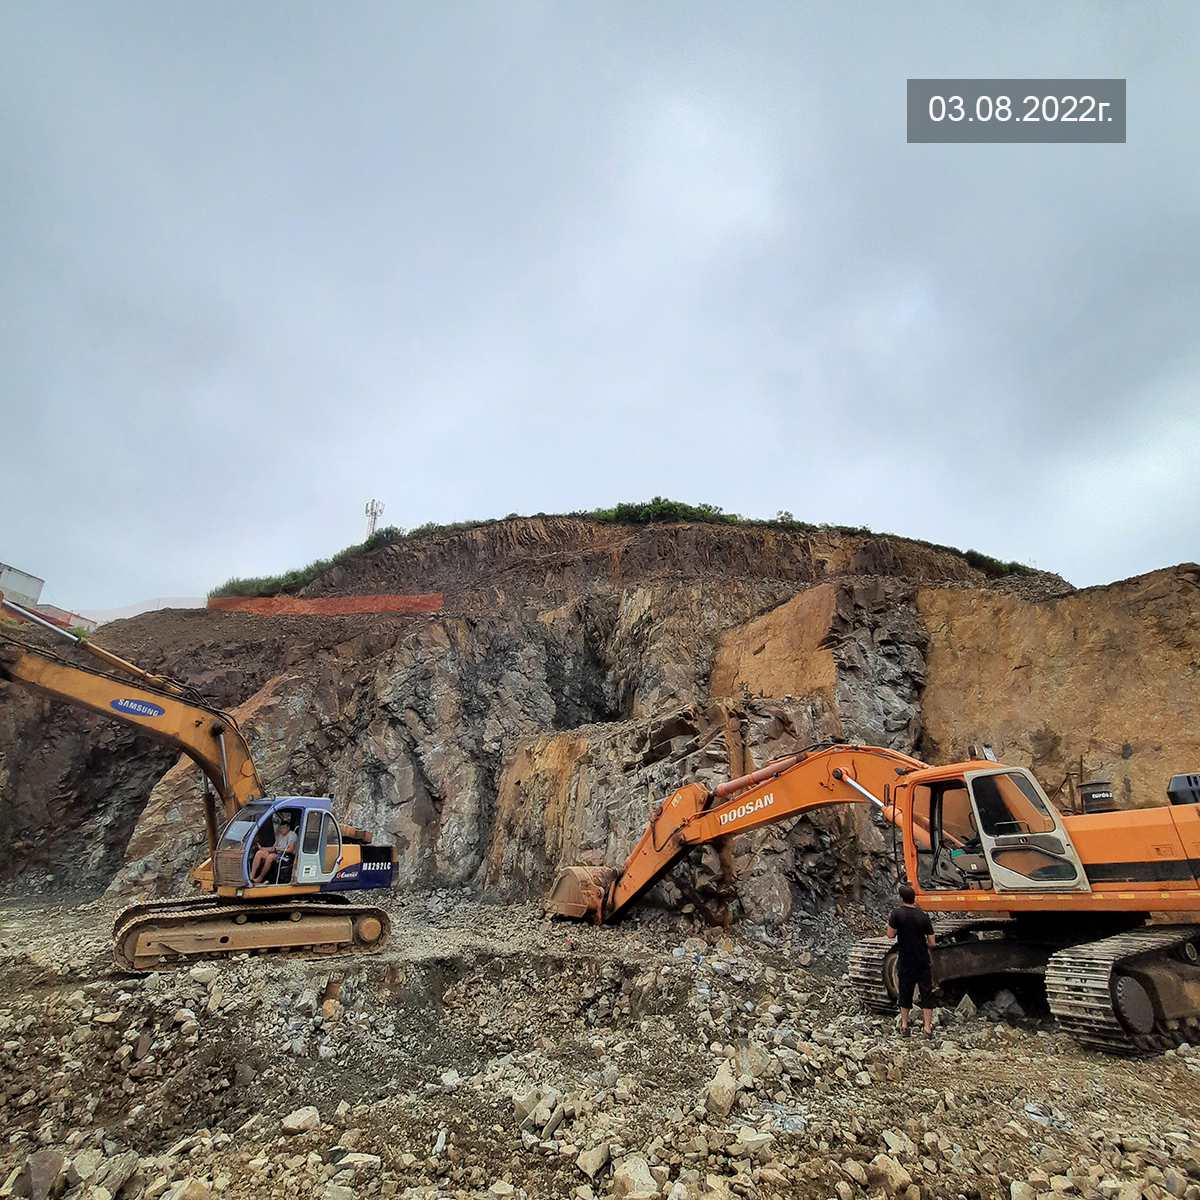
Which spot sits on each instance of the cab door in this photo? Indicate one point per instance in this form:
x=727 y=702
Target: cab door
x=1022 y=835
x=320 y=852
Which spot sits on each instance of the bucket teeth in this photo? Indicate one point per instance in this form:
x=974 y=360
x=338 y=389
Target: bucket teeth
x=580 y=892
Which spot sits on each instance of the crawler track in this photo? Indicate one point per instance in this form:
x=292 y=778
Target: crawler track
x=868 y=960
x=194 y=905
x=1084 y=987
x=152 y=936
x=870 y=968
x=133 y=911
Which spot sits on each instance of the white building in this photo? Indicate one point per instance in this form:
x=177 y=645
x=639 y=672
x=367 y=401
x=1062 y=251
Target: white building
x=65 y=619
x=20 y=586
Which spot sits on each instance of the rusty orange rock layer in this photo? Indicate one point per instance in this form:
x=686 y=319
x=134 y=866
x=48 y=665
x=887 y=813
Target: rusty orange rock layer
x=328 y=606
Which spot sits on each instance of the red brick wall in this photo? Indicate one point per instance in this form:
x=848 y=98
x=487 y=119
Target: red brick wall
x=327 y=606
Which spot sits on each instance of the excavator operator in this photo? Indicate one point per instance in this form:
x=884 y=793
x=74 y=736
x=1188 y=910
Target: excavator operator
x=266 y=857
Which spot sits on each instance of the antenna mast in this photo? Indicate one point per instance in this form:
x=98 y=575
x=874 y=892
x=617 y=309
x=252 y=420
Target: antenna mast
x=374 y=511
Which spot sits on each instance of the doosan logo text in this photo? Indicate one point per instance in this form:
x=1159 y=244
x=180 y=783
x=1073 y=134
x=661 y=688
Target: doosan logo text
x=137 y=708
x=744 y=810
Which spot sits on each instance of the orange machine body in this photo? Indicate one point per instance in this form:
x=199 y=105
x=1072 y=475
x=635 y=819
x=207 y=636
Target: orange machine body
x=1135 y=860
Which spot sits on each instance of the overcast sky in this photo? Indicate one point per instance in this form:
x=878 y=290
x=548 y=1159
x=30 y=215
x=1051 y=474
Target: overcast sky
x=261 y=262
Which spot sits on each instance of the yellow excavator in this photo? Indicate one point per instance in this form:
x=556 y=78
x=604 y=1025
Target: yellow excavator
x=1068 y=898
x=314 y=861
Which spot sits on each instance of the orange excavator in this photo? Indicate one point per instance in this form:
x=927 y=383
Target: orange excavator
x=301 y=904
x=1068 y=898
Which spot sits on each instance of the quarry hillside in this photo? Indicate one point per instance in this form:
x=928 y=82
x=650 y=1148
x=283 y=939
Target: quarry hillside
x=579 y=671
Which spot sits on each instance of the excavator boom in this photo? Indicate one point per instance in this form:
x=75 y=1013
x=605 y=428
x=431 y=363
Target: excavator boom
x=694 y=815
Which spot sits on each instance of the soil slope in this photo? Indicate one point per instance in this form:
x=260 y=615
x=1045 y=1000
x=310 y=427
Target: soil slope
x=544 y=560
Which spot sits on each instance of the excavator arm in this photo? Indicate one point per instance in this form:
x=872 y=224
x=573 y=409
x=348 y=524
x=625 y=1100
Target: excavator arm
x=206 y=735
x=695 y=815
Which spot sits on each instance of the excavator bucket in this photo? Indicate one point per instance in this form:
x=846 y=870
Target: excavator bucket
x=580 y=892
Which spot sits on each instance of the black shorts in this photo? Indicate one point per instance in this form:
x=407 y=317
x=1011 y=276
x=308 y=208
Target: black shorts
x=910 y=978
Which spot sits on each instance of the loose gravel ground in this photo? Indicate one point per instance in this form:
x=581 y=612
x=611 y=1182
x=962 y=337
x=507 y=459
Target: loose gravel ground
x=490 y=1052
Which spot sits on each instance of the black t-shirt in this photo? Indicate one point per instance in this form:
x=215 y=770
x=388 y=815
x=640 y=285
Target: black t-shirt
x=912 y=926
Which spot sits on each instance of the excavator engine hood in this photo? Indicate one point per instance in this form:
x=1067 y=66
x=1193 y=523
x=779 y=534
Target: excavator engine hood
x=581 y=892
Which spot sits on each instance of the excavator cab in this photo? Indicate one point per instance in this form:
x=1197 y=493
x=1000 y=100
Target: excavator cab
x=991 y=829
x=318 y=851
x=951 y=855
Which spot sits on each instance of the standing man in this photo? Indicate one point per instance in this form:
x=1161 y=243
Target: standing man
x=911 y=929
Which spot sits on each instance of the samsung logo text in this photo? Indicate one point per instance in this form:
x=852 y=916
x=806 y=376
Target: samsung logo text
x=137 y=708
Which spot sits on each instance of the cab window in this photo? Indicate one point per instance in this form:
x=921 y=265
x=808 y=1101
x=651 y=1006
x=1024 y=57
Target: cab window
x=244 y=822
x=958 y=819
x=329 y=843
x=1009 y=804
x=312 y=831
x=1036 y=864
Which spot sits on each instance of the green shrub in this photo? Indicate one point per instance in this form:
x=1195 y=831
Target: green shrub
x=660 y=509
x=645 y=512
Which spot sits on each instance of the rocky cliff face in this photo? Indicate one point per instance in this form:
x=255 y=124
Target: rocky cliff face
x=1110 y=675
x=580 y=673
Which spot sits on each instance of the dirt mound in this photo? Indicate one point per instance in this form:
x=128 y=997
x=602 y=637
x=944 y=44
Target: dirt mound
x=229 y=656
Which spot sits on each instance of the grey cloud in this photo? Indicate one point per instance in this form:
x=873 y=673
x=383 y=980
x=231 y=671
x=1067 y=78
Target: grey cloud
x=261 y=262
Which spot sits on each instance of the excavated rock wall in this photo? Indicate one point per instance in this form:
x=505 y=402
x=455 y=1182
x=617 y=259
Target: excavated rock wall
x=412 y=734
x=859 y=644
x=1110 y=675
x=585 y=797
x=71 y=788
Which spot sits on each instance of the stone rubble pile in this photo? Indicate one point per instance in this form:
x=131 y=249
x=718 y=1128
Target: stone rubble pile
x=494 y=1055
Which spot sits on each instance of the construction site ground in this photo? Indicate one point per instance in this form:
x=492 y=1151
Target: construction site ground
x=488 y=1052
